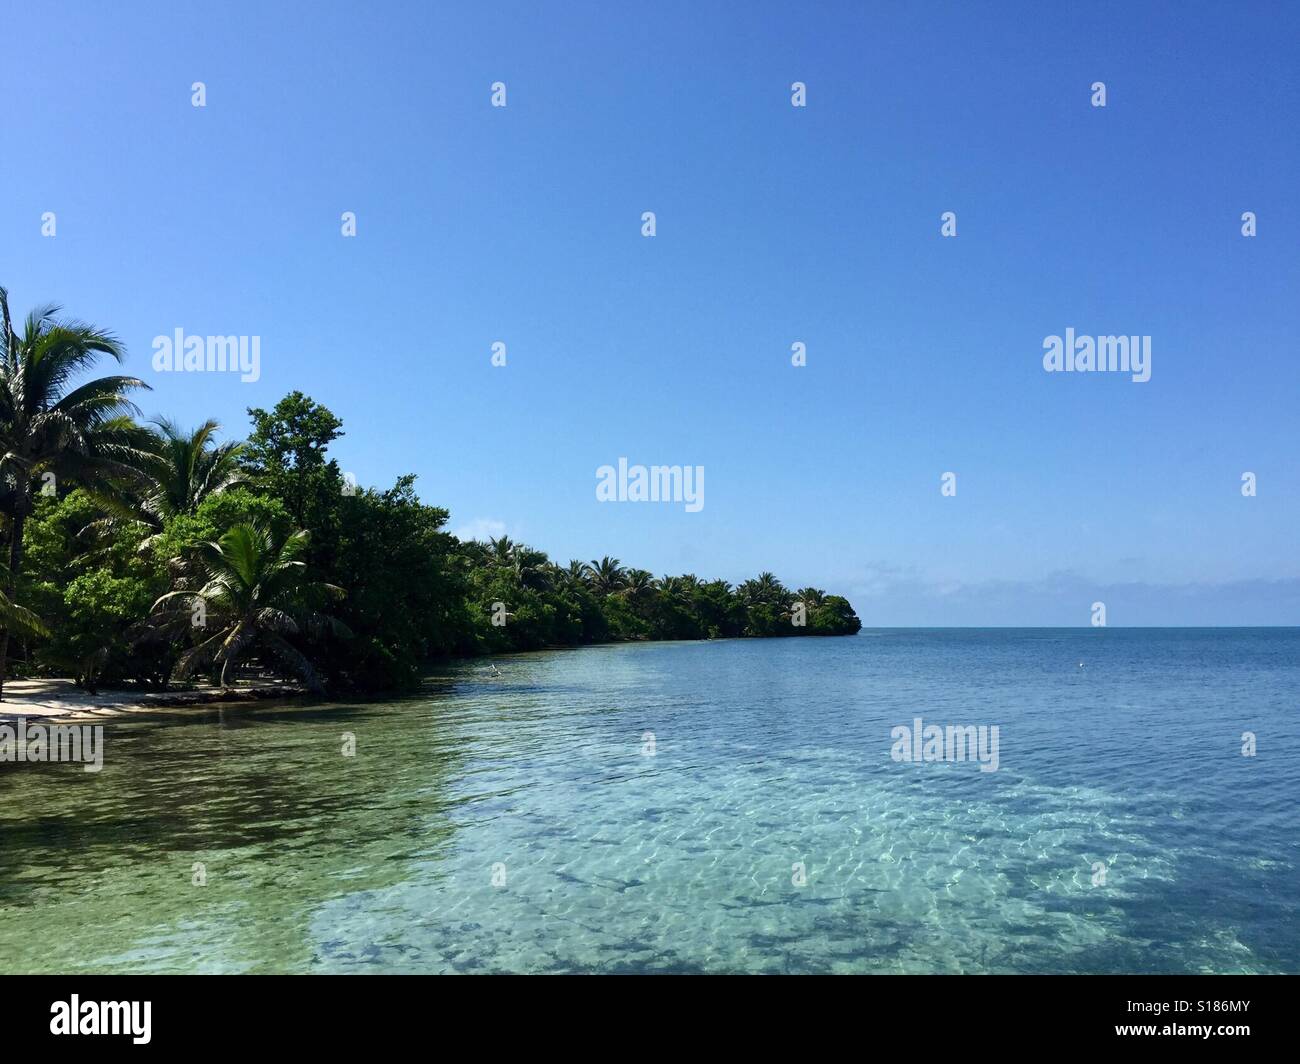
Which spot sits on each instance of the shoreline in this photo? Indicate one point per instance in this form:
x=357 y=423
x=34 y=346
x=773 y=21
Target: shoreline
x=62 y=700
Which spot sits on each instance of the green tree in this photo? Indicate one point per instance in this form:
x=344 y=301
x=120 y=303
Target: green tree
x=286 y=454
x=93 y=636
x=406 y=593
x=721 y=613
x=93 y=601
x=255 y=593
x=49 y=424
x=834 y=616
x=176 y=470
x=606 y=576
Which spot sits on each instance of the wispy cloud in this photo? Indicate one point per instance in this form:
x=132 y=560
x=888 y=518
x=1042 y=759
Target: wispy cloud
x=480 y=528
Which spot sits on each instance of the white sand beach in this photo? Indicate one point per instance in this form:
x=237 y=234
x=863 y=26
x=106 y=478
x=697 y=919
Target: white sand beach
x=62 y=699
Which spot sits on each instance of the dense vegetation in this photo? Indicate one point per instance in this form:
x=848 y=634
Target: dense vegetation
x=150 y=553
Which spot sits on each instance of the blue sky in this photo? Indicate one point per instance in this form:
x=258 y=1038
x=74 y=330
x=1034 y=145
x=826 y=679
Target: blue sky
x=775 y=224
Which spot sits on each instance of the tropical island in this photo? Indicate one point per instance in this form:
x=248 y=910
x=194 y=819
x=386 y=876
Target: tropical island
x=148 y=554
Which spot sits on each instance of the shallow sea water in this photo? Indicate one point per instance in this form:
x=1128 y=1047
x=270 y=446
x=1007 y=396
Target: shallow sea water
x=520 y=823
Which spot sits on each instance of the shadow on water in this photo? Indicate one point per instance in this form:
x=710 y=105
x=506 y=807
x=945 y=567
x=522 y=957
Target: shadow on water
x=262 y=796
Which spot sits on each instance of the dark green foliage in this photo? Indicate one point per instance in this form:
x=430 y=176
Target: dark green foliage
x=249 y=594
x=285 y=455
x=92 y=637
x=404 y=588
x=91 y=599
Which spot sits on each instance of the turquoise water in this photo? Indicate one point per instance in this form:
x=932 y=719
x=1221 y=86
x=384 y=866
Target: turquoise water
x=766 y=753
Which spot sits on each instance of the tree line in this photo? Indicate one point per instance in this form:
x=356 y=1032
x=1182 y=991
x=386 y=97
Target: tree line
x=150 y=553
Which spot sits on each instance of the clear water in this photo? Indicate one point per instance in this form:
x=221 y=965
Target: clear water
x=767 y=753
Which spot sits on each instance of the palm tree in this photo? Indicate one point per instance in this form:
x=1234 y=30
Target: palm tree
x=49 y=426
x=19 y=619
x=767 y=590
x=606 y=575
x=675 y=588
x=811 y=597
x=637 y=584
x=255 y=591
x=177 y=470
x=501 y=549
x=576 y=573
x=530 y=567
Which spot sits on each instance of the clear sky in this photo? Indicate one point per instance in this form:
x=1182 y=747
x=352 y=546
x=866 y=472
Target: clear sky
x=775 y=224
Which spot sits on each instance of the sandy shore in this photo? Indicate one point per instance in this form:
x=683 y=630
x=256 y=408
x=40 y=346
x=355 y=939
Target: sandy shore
x=63 y=700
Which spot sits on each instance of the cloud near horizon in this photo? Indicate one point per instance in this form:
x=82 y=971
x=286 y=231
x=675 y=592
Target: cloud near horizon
x=889 y=596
